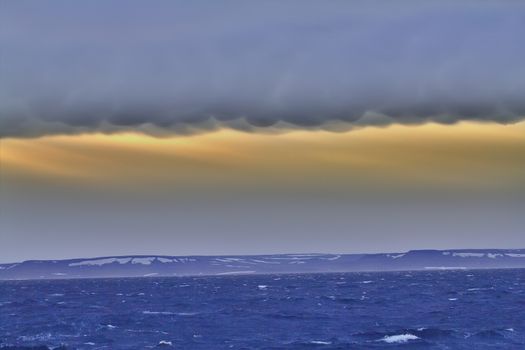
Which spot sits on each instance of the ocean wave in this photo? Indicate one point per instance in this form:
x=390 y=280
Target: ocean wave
x=39 y=347
x=164 y=343
x=166 y=313
x=147 y=312
x=320 y=342
x=295 y=312
x=430 y=333
x=399 y=338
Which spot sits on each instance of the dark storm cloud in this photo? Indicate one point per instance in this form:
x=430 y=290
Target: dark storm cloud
x=184 y=67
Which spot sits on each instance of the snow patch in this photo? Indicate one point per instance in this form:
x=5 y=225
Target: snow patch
x=469 y=255
x=100 y=262
x=396 y=256
x=445 y=268
x=332 y=258
x=143 y=261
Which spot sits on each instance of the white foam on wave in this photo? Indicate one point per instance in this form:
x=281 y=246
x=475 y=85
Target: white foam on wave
x=304 y=255
x=293 y=257
x=399 y=338
x=165 y=342
x=230 y=260
x=320 y=342
x=235 y=272
x=514 y=255
x=167 y=313
x=264 y=261
x=479 y=288
x=36 y=337
x=147 y=312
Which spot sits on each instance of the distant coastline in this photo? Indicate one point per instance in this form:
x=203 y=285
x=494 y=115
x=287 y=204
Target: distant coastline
x=165 y=266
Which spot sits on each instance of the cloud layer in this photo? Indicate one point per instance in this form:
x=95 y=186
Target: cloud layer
x=184 y=67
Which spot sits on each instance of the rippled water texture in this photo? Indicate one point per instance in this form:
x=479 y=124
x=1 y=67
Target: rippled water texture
x=413 y=310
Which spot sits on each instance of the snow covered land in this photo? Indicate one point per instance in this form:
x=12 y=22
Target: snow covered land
x=156 y=266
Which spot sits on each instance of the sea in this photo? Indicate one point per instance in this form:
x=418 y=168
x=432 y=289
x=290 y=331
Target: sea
x=452 y=309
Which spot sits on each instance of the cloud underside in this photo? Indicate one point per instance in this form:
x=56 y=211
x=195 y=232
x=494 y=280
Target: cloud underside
x=171 y=126
x=189 y=67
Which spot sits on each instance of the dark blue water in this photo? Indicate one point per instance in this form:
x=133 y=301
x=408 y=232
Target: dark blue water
x=413 y=310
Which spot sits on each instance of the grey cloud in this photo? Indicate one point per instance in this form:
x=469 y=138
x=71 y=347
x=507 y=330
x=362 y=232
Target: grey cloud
x=183 y=67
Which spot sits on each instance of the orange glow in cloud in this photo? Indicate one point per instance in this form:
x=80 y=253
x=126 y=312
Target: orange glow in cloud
x=466 y=155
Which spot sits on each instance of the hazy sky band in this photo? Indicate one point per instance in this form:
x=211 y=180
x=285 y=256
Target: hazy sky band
x=185 y=67
x=227 y=192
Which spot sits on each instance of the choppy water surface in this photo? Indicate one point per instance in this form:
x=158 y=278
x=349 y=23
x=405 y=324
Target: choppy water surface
x=414 y=310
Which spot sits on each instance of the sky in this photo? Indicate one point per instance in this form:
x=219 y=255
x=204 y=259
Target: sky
x=250 y=127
